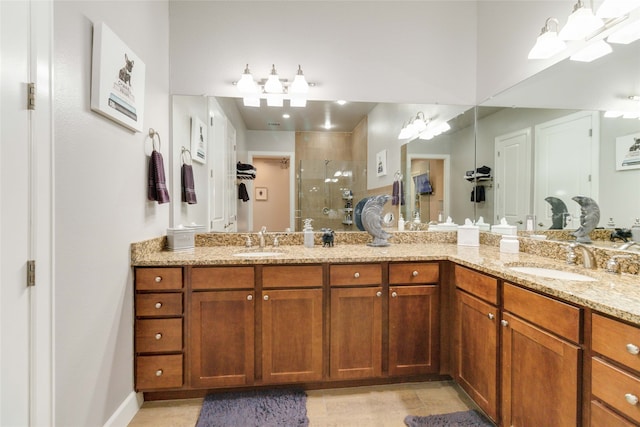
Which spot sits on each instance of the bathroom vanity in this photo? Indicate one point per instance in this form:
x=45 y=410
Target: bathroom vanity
x=522 y=346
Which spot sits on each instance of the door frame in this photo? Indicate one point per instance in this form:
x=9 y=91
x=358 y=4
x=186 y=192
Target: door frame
x=446 y=205
x=292 y=182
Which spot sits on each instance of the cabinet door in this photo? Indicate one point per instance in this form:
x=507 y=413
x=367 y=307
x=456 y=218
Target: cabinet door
x=476 y=347
x=413 y=330
x=222 y=338
x=292 y=335
x=356 y=332
x=539 y=376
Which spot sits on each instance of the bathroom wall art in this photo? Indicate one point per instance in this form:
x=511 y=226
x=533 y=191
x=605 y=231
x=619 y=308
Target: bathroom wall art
x=117 y=79
x=628 y=152
x=198 y=140
x=381 y=163
x=261 y=193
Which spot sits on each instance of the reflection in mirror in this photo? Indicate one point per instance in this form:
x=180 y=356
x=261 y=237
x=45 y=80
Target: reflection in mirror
x=551 y=138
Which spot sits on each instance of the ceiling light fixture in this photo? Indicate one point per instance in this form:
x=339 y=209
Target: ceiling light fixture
x=414 y=126
x=592 y=52
x=274 y=89
x=580 y=23
x=548 y=42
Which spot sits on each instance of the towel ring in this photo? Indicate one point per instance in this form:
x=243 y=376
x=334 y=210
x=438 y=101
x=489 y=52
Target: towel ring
x=183 y=157
x=152 y=135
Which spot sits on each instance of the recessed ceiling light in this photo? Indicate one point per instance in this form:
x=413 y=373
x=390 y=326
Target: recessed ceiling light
x=285 y=116
x=341 y=101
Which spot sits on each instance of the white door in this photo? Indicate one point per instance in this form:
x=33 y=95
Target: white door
x=25 y=214
x=217 y=168
x=231 y=193
x=567 y=157
x=513 y=176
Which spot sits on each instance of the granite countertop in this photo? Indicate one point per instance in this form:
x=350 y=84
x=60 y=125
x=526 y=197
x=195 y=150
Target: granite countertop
x=614 y=294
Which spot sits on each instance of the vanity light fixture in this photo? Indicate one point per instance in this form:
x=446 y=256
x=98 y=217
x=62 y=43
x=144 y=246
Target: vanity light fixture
x=616 y=8
x=580 y=23
x=626 y=35
x=273 y=89
x=592 y=52
x=548 y=42
x=414 y=126
x=434 y=129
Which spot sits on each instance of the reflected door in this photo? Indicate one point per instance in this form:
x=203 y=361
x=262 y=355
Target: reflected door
x=513 y=175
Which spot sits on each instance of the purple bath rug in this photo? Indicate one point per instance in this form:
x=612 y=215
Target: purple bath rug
x=255 y=408
x=455 y=419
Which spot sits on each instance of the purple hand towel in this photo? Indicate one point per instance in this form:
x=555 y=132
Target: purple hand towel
x=188 y=187
x=398 y=193
x=157 y=189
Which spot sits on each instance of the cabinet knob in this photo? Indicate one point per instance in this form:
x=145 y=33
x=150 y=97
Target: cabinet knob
x=631 y=399
x=491 y=316
x=158 y=336
x=266 y=297
x=356 y=275
x=159 y=373
x=379 y=293
x=504 y=323
x=158 y=305
x=249 y=297
x=394 y=294
x=158 y=279
x=633 y=349
x=415 y=273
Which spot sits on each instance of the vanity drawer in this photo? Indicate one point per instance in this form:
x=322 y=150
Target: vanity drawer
x=614 y=386
x=478 y=284
x=560 y=318
x=355 y=274
x=303 y=276
x=165 y=304
x=156 y=335
x=222 y=278
x=414 y=272
x=163 y=278
x=604 y=417
x=616 y=340
x=154 y=372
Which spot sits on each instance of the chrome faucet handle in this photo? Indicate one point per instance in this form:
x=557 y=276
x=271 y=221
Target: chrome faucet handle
x=571 y=254
x=276 y=242
x=613 y=266
x=248 y=243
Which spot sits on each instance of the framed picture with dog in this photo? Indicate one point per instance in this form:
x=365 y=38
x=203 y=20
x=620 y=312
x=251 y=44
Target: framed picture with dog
x=117 y=79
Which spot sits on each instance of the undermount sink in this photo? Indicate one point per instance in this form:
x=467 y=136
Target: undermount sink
x=257 y=254
x=552 y=273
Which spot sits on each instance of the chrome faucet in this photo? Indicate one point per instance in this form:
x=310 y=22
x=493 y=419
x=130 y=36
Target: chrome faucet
x=627 y=245
x=261 y=234
x=588 y=258
x=613 y=266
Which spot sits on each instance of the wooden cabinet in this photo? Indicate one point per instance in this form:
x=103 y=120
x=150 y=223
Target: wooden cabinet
x=476 y=326
x=540 y=360
x=413 y=318
x=356 y=321
x=222 y=319
x=292 y=324
x=158 y=334
x=615 y=382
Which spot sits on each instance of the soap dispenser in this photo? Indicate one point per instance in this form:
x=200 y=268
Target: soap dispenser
x=308 y=233
x=635 y=231
x=401 y=223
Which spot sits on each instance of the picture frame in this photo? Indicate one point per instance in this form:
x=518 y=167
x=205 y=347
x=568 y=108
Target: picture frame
x=628 y=152
x=117 y=79
x=381 y=163
x=261 y=193
x=198 y=140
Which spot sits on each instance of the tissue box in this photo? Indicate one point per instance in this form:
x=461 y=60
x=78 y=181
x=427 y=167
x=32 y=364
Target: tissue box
x=468 y=235
x=180 y=239
x=196 y=228
x=484 y=226
x=505 y=229
x=445 y=226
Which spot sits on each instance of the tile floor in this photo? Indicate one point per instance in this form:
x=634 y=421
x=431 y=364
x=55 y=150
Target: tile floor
x=375 y=406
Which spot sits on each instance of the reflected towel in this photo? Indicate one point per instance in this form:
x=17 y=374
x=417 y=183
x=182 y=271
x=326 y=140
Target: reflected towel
x=477 y=194
x=422 y=183
x=157 y=186
x=245 y=167
x=397 y=196
x=243 y=194
x=188 y=187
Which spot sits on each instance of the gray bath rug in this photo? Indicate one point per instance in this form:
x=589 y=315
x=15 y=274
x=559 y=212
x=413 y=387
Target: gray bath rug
x=256 y=408
x=455 y=419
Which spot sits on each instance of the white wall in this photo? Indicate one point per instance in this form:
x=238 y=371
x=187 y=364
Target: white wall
x=101 y=207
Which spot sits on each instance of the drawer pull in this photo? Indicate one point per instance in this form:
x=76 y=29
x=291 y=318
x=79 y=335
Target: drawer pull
x=266 y=297
x=633 y=349
x=632 y=399
x=249 y=297
x=158 y=305
x=394 y=294
x=504 y=323
x=415 y=273
x=158 y=336
x=491 y=316
x=158 y=279
x=356 y=275
x=159 y=373
x=379 y=293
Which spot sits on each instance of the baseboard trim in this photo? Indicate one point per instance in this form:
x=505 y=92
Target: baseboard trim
x=126 y=411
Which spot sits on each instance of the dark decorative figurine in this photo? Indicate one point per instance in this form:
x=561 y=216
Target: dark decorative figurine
x=327 y=237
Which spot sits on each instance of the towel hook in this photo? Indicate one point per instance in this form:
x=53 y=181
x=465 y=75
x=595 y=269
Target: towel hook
x=397 y=176
x=152 y=135
x=182 y=156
